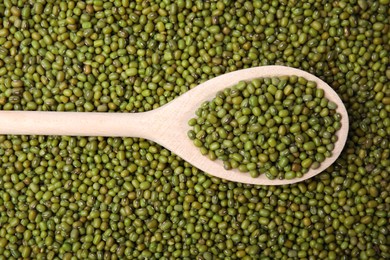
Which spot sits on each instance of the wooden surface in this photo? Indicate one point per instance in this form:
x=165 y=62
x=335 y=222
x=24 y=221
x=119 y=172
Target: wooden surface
x=167 y=125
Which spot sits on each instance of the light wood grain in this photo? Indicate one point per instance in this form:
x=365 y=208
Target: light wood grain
x=167 y=125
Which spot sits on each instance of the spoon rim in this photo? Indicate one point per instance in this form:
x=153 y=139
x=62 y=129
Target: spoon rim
x=191 y=100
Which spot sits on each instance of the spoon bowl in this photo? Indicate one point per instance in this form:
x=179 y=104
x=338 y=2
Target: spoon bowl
x=168 y=124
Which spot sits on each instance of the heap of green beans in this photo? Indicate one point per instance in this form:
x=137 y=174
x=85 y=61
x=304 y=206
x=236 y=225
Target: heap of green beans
x=128 y=198
x=279 y=126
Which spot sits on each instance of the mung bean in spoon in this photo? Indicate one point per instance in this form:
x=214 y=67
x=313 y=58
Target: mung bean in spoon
x=168 y=125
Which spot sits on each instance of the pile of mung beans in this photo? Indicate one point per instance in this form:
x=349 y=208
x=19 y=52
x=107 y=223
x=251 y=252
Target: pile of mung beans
x=277 y=126
x=67 y=197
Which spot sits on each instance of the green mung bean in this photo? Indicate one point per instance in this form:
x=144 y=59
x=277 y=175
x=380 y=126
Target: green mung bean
x=168 y=48
x=246 y=128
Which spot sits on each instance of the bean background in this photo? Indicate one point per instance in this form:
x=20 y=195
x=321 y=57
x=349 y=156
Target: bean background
x=126 y=198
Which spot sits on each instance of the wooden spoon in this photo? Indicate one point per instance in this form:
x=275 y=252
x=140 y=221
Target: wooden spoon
x=168 y=125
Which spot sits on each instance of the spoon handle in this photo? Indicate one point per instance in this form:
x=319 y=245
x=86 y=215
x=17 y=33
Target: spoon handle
x=77 y=124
